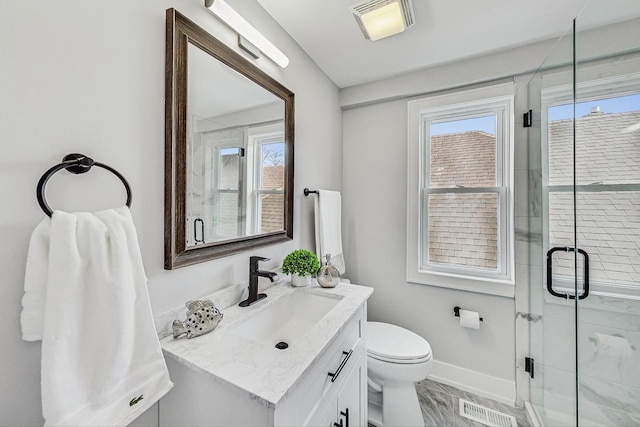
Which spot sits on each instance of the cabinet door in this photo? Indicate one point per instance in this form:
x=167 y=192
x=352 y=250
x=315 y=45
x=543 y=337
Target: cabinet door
x=351 y=399
x=325 y=416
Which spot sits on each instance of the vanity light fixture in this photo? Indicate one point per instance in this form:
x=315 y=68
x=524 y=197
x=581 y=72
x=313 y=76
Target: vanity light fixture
x=226 y=14
x=383 y=18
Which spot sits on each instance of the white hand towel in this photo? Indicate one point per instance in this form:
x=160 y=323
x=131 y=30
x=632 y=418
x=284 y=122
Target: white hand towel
x=86 y=298
x=328 y=211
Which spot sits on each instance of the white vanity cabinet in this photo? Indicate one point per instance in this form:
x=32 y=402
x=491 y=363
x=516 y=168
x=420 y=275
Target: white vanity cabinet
x=332 y=386
x=348 y=407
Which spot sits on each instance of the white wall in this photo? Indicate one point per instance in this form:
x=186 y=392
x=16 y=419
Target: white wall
x=88 y=76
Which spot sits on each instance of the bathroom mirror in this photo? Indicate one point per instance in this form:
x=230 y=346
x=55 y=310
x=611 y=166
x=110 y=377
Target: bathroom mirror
x=228 y=150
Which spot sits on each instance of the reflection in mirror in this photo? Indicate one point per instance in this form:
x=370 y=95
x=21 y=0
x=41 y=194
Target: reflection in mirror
x=228 y=150
x=235 y=154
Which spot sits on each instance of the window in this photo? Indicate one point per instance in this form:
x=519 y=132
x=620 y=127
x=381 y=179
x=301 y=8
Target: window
x=267 y=193
x=460 y=190
x=607 y=176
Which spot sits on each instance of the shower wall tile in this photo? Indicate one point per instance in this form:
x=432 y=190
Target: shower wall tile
x=559 y=346
x=598 y=396
x=536 y=334
x=528 y=240
x=627 y=307
x=535 y=230
x=621 y=313
x=522 y=285
x=609 y=358
x=559 y=389
x=610 y=354
x=536 y=395
x=534 y=150
x=521 y=145
x=522 y=252
x=536 y=253
x=536 y=290
x=535 y=193
x=521 y=198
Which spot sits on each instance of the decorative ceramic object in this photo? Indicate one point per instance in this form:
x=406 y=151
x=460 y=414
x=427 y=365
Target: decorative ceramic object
x=328 y=275
x=301 y=264
x=297 y=280
x=202 y=318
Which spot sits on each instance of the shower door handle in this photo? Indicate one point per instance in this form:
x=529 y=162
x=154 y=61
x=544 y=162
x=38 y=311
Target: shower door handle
x=585 y=288
x=195 y=230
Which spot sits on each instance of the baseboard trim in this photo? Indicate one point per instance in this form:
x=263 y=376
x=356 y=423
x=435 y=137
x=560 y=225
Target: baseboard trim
x=484 y=385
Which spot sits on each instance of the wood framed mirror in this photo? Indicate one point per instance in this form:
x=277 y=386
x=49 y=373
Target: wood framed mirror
x=229 y=142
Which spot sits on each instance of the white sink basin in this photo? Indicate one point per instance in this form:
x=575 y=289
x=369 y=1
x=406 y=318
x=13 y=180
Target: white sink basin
x=288 y=318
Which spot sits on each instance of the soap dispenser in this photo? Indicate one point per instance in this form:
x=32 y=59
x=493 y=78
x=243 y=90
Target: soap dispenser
x=328 y=275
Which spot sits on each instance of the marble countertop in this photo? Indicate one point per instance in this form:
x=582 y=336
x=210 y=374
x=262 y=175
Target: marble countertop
x=265 y=373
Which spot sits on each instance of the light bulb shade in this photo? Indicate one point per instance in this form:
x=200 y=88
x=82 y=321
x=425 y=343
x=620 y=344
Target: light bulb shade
x=383 y=18
x=226 y=14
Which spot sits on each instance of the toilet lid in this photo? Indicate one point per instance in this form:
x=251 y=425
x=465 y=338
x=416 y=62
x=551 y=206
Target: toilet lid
x=392 y=342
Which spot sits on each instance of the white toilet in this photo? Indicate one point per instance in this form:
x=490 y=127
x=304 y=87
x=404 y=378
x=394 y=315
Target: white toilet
x=396 y=359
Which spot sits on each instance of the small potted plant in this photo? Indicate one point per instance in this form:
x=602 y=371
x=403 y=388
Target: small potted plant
x=301 y=264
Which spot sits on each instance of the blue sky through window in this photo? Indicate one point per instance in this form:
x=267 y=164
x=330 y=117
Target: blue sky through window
x=484 y=124
x=273 y=154
x=619 y=104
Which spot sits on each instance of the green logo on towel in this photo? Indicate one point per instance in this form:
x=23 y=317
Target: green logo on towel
x=136 y=400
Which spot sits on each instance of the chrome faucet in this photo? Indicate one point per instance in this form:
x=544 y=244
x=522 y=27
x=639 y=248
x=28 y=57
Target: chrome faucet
x=254 y=273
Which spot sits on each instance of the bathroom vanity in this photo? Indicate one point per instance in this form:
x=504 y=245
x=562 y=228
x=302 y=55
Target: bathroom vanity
x=236 y=376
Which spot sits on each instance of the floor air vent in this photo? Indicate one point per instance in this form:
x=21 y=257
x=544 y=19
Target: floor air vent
x=486 y=416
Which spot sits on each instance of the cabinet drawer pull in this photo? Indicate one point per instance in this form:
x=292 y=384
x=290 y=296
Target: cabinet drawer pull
x=345 y=414
x=334 y=376
x=338 y=425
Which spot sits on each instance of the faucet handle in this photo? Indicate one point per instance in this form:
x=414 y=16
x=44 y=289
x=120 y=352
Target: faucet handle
x=254 y=260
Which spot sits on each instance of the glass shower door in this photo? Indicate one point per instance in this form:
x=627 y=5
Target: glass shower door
x=584 y=204
x=552 y=279
x=607 y=200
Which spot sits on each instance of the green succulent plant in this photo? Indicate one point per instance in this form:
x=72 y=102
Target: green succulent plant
x=301 y=262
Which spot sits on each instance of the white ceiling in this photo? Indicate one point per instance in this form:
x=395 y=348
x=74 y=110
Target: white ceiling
x=445 y=31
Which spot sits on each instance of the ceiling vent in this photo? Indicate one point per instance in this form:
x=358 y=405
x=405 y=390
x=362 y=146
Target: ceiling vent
x=383 y=18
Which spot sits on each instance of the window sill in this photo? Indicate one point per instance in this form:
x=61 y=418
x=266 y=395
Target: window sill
x=490 y=286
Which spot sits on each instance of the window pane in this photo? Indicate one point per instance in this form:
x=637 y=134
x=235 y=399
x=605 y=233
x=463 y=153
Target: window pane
x=462 y=153
x=463 y=230
x=561 y=235
x=272 y=176
x=608 y=230
x=271 y=212
x=608 y=142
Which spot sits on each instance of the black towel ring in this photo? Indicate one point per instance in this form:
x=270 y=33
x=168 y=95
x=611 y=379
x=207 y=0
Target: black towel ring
x=75 y=163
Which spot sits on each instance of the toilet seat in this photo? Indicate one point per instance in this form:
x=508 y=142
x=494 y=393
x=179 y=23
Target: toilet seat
x=393 y=344
x=399 y=361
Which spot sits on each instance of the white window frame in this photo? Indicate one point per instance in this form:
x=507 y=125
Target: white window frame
x=497 y=99
x=258 y=136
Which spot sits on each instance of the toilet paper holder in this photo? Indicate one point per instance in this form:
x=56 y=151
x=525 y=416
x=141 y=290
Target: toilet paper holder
x=456 y=312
